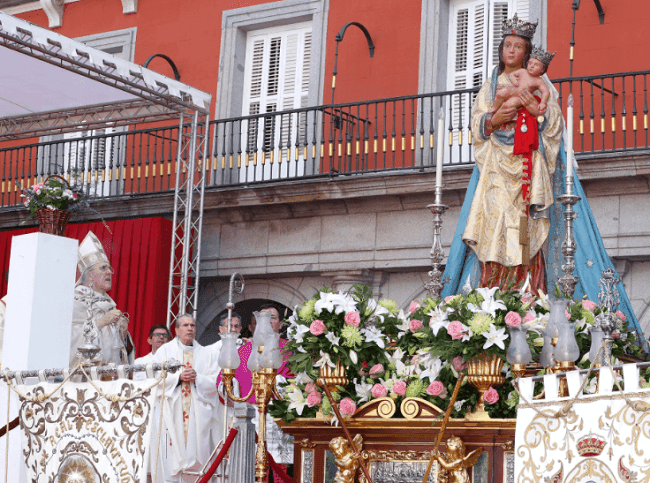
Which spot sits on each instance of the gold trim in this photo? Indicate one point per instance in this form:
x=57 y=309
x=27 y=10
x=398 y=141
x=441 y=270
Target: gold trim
x=413 y=407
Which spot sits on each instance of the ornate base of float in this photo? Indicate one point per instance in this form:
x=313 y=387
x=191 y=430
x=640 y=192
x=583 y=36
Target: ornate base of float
x=484 y=372
x=398 y=449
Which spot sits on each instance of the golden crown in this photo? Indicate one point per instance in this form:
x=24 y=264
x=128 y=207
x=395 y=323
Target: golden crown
x=514 y=26
x=543 y=56
x=590 y=445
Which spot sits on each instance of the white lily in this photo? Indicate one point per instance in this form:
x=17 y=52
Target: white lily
x=298 y=401
x=353 y=357
x=324 y=360
x=364 y=391
x=302 y=378
x=332 y=338
x=495 y=337
x=438 y=319
x=373 y=334
x=375 y=310
x=432 y=368
x=344 y=303
x=459 y=404
x=404 y=326
x=326 y=301
x=297 y=332
x=542 y=300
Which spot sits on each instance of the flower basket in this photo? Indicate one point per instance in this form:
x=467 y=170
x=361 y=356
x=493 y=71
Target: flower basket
x=52 y=221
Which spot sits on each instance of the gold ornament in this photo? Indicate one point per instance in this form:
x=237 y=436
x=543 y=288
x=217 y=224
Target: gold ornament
x=483 y=372
x=456 y=462
x=347 y=461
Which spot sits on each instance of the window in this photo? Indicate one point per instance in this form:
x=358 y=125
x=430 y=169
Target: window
x=95 y=154
x=276 y=78
x=475 y=31
x=281 y=45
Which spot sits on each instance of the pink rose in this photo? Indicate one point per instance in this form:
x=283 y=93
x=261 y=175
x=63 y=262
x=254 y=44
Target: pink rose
x=436 y=388
x=376 y=369
x=491 y=396
x=310 y=387
x=568 y=315
x=621 y=315
x=448 y=298
x=317 y=327
x=415 y=305
x=527 y=299
x=399 y=388
x=457 y=364
x=415 y=325
x=455 y=330
x=378 y=390
x=589 y=305
x=352 y=318
x=529 y=317
x=513 y=319
x=314 y=399
x=347 y=406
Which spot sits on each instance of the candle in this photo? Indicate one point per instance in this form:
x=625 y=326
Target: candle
x=569 y=144
x=441 y=151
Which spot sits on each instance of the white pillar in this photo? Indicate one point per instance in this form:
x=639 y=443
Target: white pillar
x=38 y=321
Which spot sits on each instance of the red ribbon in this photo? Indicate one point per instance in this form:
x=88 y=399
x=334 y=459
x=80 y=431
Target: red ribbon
x=226 y=446
x=526 y=141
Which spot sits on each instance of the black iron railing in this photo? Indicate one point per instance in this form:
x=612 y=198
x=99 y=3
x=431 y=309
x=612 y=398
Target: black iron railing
x=382 y=135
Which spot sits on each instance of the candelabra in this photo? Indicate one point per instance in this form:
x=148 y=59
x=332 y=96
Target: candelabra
x=264 y=361
x=436 y=284
x=569 y=248
x=605 y=323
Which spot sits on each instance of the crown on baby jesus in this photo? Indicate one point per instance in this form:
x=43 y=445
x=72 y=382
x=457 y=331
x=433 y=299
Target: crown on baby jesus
x=590 y=445
x=514 y=26
x=543 y=56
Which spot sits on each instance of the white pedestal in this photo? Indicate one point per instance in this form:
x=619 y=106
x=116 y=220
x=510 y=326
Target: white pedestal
x=38 y=321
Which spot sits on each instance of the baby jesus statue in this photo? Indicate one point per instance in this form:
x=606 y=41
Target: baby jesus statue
x=529 y=79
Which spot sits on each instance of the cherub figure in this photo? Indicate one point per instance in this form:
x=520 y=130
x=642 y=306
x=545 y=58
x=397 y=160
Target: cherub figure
x=347 y=461
x=455 y=461
x=526 y=79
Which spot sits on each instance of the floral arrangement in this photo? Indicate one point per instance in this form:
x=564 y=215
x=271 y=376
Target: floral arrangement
x=418 y=352
x=54 y=193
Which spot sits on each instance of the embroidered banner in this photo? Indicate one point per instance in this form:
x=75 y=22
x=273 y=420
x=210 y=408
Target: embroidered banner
x=602 y=437
x=79 y=435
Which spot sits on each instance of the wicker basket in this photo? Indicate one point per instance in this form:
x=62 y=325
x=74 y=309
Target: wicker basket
x=52 y=221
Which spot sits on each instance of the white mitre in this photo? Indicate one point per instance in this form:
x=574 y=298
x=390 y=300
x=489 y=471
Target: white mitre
x=90 y=252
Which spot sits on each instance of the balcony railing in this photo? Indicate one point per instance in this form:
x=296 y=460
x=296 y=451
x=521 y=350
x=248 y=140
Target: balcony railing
x=396 y=134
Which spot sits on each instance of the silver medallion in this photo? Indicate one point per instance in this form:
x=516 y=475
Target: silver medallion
x=524 y=128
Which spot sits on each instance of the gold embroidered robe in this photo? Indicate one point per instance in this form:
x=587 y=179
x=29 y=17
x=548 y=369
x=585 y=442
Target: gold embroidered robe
x=492 y=229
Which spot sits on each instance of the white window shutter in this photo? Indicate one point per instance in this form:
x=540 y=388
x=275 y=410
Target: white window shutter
x=276 y=78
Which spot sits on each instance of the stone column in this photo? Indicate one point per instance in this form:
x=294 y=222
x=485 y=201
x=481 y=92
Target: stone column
x=242 y=457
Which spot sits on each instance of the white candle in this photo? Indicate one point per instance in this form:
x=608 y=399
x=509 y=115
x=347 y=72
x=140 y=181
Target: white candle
x=441 y=150
x=569 y=144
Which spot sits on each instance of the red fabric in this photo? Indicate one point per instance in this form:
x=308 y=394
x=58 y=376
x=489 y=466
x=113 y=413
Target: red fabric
x=279 y=471
x=226 y=446
x=526 y=141
x=494 y=274
x=139 y=251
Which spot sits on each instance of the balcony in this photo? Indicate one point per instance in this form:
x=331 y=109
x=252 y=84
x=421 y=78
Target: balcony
x=333 y=141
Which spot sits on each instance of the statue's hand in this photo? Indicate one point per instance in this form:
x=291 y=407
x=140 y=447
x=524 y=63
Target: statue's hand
x=530 y=103
x=503 y=115
x=111 y=317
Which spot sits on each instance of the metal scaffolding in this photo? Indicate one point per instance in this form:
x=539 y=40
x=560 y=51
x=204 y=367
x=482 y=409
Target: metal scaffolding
x=68 y=75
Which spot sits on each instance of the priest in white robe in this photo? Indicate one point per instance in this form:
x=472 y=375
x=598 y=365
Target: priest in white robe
x=110 y=325
x=191 y=406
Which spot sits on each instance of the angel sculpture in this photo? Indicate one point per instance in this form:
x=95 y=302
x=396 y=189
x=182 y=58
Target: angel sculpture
x=455 y=461
x=347 y=461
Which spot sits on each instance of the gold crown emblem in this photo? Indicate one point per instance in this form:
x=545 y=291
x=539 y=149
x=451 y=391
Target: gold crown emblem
x=590 y=445
x=543 y=56
x=514 y=26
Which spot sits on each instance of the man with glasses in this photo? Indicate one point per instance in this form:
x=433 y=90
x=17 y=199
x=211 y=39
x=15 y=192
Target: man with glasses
x=110 y=325
x=158 y=335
